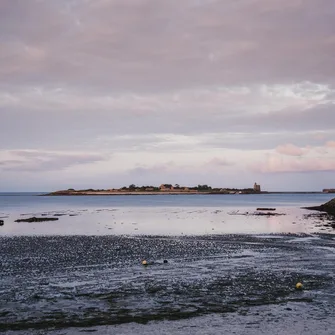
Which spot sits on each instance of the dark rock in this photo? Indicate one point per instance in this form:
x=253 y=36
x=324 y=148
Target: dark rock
x=266 y=209
x=328 y=207
x=268 y=214
x=35 y=219
x=258 y=214
x=44 y=282
x=1 y=223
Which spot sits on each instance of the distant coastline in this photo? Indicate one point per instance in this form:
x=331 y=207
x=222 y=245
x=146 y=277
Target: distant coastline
x=161 y=193
x=162 y=189
x=119 y=192
x=83 y=193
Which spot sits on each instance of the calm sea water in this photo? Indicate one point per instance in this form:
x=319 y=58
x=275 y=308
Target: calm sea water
x=158 y=214
x=13 y=202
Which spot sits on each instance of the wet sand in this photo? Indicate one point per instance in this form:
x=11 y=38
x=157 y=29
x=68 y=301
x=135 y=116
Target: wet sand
x=241 y=284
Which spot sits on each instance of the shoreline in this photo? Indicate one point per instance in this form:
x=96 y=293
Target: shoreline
x=61 y=193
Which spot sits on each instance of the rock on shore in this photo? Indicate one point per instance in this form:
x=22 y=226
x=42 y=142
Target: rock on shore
x=328 y=207
x=35 y=219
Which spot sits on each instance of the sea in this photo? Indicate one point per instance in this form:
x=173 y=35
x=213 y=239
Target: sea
x=214 y=264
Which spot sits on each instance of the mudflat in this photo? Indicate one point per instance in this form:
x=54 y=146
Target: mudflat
x=68 y=284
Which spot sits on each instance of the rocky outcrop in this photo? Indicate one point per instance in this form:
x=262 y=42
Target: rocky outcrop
x=328 y=207
x=35 y=219
x=1 y=223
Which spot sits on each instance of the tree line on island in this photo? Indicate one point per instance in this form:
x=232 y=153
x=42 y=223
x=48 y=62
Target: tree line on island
x=172 y=188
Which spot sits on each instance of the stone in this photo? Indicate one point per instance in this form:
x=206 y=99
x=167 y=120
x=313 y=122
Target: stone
x=35 y=219
x=328 y=207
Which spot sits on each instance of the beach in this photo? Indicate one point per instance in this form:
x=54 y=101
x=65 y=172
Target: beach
x=85 y=284
x=213 y=265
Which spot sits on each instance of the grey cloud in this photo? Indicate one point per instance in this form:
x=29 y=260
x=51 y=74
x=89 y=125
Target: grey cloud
x=117 y=76
x=46 y=161
x=207 y=141
x=150 y=45
x=320 y=117
x=266 y=141
x=8 y=163
x=76 y=130
x=219 y=162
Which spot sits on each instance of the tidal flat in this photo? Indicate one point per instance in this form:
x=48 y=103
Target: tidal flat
x=242 y=284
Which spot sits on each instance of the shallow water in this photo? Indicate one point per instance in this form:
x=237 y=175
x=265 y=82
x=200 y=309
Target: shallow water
x=21 y=202
x=159 y=214
x=227 y=282
x=167 y=221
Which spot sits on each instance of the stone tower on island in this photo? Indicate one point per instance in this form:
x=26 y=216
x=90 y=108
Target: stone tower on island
x=257 y=188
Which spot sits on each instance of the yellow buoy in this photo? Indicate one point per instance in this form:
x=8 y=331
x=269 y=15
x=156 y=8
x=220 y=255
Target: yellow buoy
x=299 y=286
x=144 y=262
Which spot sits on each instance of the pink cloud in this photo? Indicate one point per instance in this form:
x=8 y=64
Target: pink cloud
x=330 y=144
x=276 y=163
x=291 y=150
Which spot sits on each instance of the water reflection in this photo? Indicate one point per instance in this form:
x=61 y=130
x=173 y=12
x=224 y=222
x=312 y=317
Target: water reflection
x=165 y=221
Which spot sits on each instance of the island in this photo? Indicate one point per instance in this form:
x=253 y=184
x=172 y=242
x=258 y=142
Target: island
x=162 y=189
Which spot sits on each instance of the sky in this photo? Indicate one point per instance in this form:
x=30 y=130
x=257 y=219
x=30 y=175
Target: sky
x=106 y=93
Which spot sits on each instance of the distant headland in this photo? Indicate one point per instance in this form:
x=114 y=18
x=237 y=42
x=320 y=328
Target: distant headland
x=162 y=189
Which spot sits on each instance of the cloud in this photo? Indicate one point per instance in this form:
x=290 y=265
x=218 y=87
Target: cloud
x=243 y=114
x=258 y=99
x=330 y=144
x=291 y=150
x=173 y=167
x=145 y=45
x=219 y=162
x=290 y=158
x=165 y=81
x=279 y=164
x=34 y=161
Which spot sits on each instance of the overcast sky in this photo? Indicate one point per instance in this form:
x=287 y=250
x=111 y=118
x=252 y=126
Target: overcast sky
x=105 y=93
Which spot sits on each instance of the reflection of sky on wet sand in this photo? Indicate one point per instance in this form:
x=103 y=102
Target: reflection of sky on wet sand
x=164 y=221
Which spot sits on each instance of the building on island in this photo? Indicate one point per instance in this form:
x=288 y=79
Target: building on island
x=328 y=190
x=257 y=188
x=166 y=187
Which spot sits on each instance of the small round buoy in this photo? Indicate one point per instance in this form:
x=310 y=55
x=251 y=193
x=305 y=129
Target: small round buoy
x=144 y=262
x=299 y=286
x=165 y=261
